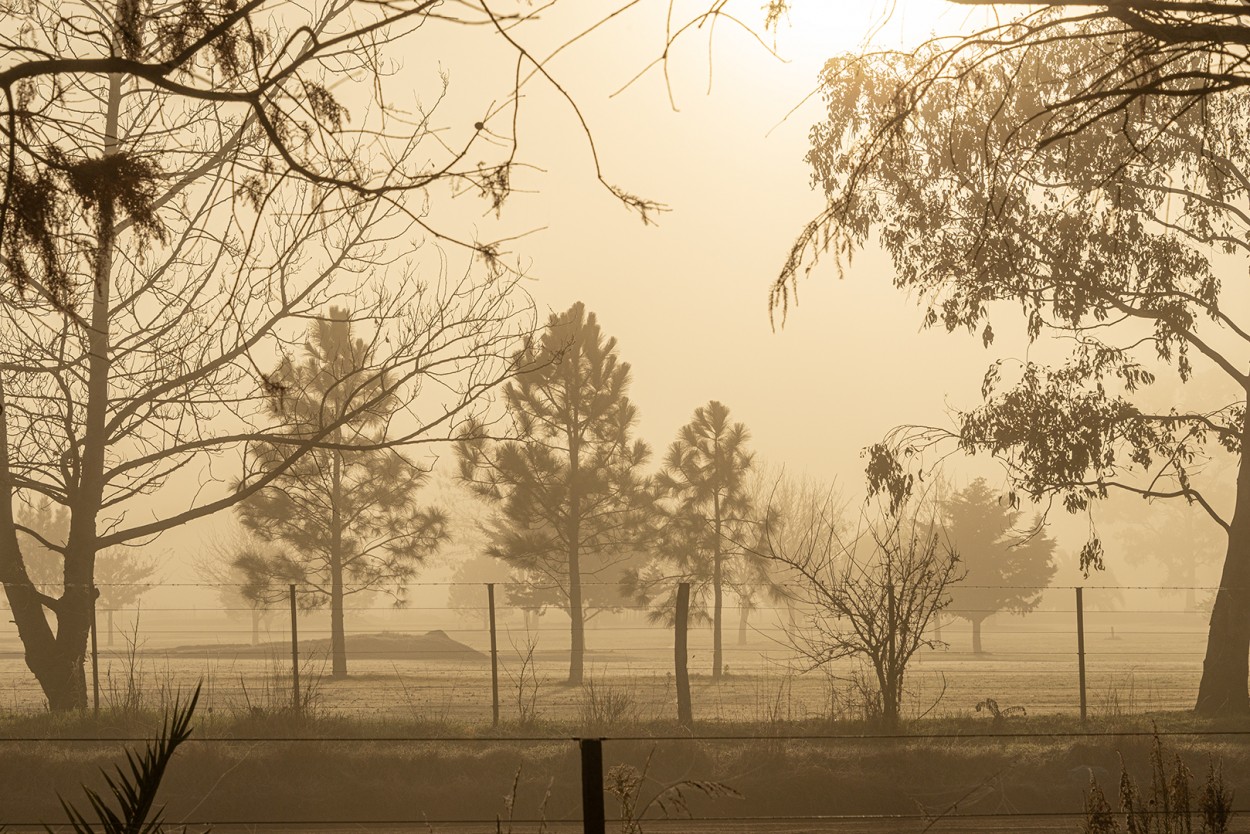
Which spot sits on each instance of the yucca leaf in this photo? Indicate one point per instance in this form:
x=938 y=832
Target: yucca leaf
x=134 y=792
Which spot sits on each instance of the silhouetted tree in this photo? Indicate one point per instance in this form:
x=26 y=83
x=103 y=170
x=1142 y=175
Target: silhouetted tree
x=122 y=574
x=569 y=489
x=1006 y=568
x=179 y=188
x=345 y=516
x=1102 y=234
x=705 y=481
x=1137 y=49
x=217 y=565
x=869 y=593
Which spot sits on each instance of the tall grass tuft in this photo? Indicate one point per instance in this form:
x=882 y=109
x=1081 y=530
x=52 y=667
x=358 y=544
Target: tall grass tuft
x=1164 y=808
x=134 y=790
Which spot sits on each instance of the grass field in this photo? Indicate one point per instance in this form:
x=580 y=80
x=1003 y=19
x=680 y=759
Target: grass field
x=1135 y=664
x=403 y=742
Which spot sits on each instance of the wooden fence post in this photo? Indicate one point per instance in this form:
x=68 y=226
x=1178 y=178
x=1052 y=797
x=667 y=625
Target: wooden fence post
x=681 y=655
x=1080 y=644
x=593 y=816
x=494 y=656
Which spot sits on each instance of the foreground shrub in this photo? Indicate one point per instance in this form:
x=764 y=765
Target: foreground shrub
x=1166 y=808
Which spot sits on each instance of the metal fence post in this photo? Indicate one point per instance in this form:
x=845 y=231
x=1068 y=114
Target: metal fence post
x=1080 y=644
x=593 y=816
x=295 y=703
x=681 y=654
x=494 y=656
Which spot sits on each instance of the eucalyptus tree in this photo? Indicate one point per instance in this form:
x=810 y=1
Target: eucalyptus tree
x=1102 y=234
x=571 y=497
x=344 y=517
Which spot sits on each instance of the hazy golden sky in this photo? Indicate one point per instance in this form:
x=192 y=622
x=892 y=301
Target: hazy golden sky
x=687 y=298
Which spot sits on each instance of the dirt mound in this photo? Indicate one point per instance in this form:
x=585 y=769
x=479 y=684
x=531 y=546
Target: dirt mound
x=386 y=645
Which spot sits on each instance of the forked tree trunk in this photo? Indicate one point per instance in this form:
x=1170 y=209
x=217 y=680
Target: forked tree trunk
x=1225 y=686
x=58 y=662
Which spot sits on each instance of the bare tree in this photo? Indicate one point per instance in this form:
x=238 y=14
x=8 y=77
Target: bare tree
x=122 y=574
x=181 y=193
x=868 y=595
x=216 y=566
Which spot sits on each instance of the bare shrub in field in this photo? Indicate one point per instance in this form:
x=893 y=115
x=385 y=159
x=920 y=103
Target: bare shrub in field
x=273 y=695
x=607 y=704
x=1000 y=715
x=1166 y=807
x=525 y=682
x=868 y=594
x=124 y=693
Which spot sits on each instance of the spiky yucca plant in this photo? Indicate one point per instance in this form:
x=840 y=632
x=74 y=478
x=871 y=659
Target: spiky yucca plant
x=134 y=791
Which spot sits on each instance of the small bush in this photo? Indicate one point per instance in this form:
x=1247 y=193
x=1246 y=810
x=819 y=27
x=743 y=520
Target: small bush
x=606 y=704
x=1166 y=807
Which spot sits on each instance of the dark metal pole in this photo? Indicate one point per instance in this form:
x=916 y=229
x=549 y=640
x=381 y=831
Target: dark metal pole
x=494 y=656
x=593 y=821
x=681 y=654
x=95 y=656
x=1080 y=644
x=294 y=653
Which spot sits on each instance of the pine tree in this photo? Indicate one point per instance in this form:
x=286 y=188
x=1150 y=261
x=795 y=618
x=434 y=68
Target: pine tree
x=705 y=478
x=345 y=514
x=1006 y=569
x=570 y=497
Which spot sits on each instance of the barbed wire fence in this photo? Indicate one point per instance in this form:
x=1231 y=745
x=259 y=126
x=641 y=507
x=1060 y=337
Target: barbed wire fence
x=491 y=674
x=1103 y=651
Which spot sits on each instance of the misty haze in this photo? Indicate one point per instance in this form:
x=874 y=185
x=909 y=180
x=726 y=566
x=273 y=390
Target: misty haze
x=651 y=416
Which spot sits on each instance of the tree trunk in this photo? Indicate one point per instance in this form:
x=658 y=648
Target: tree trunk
x=1225 y=686
x=108 y=641
x=890 y=700
x=62 y=676
x=744 y=613
x=577 y=620
x=59 y=663
x=338 y=637
x=255 y=626
x=718 y=655
x=577 y=636
x=976 y=637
